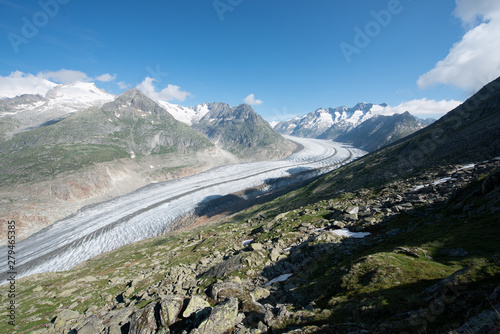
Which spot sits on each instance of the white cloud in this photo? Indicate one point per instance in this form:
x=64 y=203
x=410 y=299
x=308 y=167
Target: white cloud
x=475 y=60
x=106 y=77
x=472 y=11
x=64 y=76
x=123 y=85
x=420 y=108
x=18 y=83
x=250 y=99
x=171 y=92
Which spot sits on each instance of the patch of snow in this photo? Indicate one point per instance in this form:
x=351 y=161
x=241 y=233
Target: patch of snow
x=151 y=166
x=287 y=249
x=469 y=166
x=246 y=242
x=422 y=186
x=343 y=232
x=78 y=93
x=185 y=114
x=280 y=278
x=132 y=155
x=443 y=180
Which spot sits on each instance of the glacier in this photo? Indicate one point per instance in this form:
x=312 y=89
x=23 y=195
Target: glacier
x=152 y=210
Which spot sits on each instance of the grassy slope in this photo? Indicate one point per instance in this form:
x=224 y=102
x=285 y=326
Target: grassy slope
x=90 y=137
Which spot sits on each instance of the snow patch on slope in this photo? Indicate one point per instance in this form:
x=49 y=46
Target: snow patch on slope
x=188 y=115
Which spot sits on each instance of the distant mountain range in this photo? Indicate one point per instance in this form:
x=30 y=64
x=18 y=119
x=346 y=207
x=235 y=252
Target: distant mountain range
x=361 y=125
x=29 y=111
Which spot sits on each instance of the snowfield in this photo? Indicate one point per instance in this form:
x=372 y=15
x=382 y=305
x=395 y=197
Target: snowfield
x=152 y=210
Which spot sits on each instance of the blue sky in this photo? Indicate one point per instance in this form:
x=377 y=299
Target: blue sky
x=290 y=54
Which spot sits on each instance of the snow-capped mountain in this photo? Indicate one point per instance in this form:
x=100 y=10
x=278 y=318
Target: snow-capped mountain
x=78 y=94
x=187 y=115
x=317 y=122
x=363 y=125
x=32 y=110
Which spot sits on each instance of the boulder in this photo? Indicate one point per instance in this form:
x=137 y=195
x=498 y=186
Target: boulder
x=223 y=317
x=256 y=246
x=225 y=289
x=144 y=321
x=352 y=210
x=195 y=304
x=260 y=293
x=92 y=325
x=274 y=255
x=456 y=252
x=170 y=308
x=226 y=267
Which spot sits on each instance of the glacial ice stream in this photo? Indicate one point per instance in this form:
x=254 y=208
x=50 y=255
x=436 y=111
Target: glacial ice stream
x=149 y=211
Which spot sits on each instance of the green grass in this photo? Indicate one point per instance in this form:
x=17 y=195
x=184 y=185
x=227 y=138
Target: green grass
x=43 y=163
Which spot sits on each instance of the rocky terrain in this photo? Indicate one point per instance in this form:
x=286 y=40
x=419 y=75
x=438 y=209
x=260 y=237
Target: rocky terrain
x=358 y=262
x=400 y=241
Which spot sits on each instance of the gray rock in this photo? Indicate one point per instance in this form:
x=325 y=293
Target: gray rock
x=274 y=255
x=352 y=210
x=128 y=292
x=370 y=220
x=222 y=318
x=407 y=251
x=225 y=267
x=144 y=321
x=350 y=217
x=338 y=225
x=225 y=289
x=195 y=304
x=91 y=326
x=459 y=252
x=66 y=314
x=256 y=246
x=485 y=322
x=117 y=318
x=170 y=308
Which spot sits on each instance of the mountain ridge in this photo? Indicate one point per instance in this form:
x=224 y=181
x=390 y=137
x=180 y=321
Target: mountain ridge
x=353 y=125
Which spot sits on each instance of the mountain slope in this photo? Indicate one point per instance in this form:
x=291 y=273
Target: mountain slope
x=380 y=131
x=30 y=111
x=243 y=132
x=132 y=124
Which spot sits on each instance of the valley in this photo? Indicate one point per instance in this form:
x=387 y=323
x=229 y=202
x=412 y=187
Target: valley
x=153 y=210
